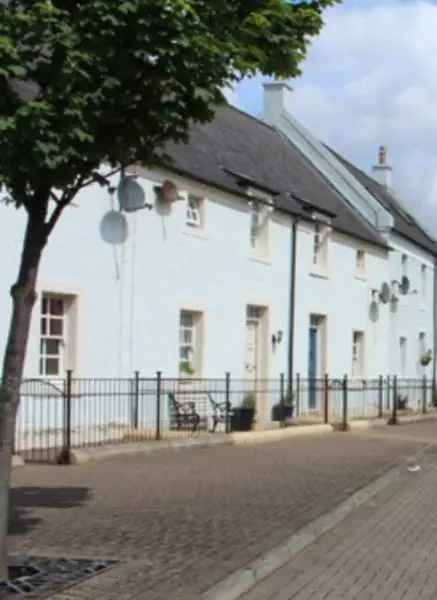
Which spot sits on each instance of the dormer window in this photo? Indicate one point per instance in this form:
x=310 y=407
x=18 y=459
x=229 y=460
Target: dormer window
x=360 y=263
x=194 y=216
x=320 y=246
x=259 y=228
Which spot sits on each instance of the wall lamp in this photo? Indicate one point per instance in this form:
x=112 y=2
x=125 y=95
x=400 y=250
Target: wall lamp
x=277 y=337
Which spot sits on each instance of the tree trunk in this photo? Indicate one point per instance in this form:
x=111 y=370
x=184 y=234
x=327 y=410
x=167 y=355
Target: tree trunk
x=23 y=298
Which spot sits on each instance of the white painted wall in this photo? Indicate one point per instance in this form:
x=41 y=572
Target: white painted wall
x=132 y=323
x=344 y=298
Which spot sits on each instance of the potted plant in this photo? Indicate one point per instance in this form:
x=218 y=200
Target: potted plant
x=283 y=411
x=243 y=416
x=426 y=358
x=185 y=368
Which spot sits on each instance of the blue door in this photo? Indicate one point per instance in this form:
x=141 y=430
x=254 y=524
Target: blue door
x=312 y=368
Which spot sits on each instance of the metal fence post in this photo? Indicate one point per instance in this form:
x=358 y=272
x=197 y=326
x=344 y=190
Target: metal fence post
x=394 y=416
x=424 y=396
x=326 y=400
x=345 y=391
x=388 y=392
x=380 y=397
x=297 y=394
x=227 y=402
x=67 y=418
x=282 y=399
x=158 y=405
x=136 y=398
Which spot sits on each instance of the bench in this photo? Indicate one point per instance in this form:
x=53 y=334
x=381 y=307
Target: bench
x=185 y=413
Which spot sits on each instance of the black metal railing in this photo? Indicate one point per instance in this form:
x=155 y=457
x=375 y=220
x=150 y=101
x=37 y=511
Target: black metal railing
x=58 y=415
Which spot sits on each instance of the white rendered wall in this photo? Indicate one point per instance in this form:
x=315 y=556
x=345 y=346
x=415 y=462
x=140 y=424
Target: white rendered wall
x=132 y=323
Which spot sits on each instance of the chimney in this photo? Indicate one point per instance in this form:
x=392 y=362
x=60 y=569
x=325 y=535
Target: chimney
x=382 y=172
x=277 y=99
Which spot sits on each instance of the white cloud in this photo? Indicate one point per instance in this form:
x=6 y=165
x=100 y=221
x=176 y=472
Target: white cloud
x=371 y=78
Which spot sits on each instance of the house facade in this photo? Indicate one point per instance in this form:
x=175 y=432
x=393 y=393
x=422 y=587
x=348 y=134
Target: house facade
x=353 y=316
x=273 y=257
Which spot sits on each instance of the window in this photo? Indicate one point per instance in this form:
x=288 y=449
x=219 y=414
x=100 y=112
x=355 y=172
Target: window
x=423 y=278
x=189 y=342
x=194 y=216
x=361 y=262
x=357 y=354
x=320 y=248
x=404 y=265
x=403 y=355
x=259 y=229
x=52 y=333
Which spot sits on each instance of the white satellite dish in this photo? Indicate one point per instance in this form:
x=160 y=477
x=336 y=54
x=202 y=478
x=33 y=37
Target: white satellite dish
x=131 y=195
x=114 y=228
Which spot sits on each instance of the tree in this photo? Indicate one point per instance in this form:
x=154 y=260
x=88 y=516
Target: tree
x=95 y=82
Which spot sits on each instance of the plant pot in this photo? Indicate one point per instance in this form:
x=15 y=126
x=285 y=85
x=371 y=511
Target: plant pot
x=280 y=413
x=242 y=419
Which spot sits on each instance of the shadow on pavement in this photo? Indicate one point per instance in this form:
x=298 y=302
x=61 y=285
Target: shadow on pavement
x=24 y=499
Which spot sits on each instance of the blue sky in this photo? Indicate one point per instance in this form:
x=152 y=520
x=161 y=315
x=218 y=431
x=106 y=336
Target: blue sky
x=370 y=78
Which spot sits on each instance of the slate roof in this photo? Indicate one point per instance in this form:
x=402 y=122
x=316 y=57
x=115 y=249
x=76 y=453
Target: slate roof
x=404 y=223
x=236 y=147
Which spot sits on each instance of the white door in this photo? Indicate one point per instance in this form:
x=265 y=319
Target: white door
x=252 y=350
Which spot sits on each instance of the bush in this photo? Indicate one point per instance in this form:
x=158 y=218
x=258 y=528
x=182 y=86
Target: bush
x=249 y=401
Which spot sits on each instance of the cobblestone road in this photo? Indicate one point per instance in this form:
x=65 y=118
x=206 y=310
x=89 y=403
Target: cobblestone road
x=179 y=522
x=386 y=550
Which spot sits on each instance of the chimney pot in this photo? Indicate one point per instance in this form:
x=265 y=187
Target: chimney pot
x=382 y=171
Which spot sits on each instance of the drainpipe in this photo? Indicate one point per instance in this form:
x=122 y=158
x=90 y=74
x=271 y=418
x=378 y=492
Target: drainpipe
x=434 y=312
x=291 y=333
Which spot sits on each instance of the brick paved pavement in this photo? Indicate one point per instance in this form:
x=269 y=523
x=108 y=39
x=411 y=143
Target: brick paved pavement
x=386 y=550
x=179 y=522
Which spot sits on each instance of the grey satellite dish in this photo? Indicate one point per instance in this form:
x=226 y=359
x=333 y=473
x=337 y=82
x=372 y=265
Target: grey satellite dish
x=404 y=288
x=113 y=228
x=131 y=195
x=385 y=293
x=374 y=311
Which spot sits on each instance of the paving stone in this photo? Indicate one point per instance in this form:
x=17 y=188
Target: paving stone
x=181 y=522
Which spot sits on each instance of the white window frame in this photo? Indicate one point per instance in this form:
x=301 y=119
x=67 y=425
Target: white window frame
x=49 y=321
x=360 y=262
x=189 y=342
x=357 y=354
x=320 y=246
x=259 y=229
x=194 y=211
x=403 y=348
x=423 y=283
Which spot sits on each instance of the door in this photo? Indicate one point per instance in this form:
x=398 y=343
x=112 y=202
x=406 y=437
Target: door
x=312 y=365
x=252 y=351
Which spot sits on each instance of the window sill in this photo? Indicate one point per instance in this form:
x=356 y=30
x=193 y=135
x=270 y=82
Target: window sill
x=320 y=274
x=262 y=261
x=196 y=233
x=360 y=277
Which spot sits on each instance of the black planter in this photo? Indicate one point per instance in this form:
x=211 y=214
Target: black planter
x=280 y=413
x=242 y=419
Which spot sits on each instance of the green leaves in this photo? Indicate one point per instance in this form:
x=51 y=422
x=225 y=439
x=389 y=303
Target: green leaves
x=114 y=80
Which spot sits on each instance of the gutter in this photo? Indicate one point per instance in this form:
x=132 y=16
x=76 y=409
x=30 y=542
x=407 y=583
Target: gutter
x=434 y=314
x=292 y=315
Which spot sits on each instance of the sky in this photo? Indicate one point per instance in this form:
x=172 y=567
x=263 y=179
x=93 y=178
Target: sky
x=370 y=79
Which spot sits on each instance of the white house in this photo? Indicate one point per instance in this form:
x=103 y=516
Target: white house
x=352 y=316
x=271 y=260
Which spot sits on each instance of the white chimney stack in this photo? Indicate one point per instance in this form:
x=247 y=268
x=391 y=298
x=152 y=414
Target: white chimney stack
x=382 y=172
x=277 y=99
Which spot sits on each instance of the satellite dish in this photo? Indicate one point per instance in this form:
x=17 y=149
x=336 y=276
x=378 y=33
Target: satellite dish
x=385 y=293
x=374 y=311
x=113 y=228
x=405 y=285
x=131 y=195
x=168 y=192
